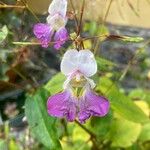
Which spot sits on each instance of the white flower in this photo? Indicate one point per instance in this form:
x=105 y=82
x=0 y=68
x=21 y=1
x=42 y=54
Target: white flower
x=55 y=26
x=79 y=64
x=57 y=14
x=59 y=7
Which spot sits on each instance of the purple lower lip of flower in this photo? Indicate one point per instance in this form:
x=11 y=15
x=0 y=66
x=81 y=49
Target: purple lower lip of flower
x=44 y=33
x=92 y=105
x=62 y=105
x=61 y=36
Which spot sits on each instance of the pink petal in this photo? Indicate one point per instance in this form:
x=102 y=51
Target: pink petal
x=43 y=32
x=62 y=105
x=61 y=36
x=92 y=105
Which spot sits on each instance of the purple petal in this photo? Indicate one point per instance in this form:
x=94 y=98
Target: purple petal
x=61 y=36
x=92 y=105
x=62 y=105
x=43 y=32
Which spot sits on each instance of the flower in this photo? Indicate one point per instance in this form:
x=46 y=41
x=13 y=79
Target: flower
x=56 y=22
x=78 y=99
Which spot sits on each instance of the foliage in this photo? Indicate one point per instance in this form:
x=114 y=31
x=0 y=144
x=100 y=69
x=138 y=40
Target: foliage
x=27 y=80
x=3 y=33
x=42 y=126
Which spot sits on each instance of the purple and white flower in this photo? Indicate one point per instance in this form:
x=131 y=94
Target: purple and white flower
x=56 y=22
x=78 y=99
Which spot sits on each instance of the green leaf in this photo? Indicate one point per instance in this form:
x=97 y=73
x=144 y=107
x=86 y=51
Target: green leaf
x=124 y=133
x=103 y=63
x=144 y=106
x=80 y=134
x=103 y=30
x=3 y=145
x=3 y=33
x=55 y=84
x=80 y=139
x=135 y=146
x=93 y=28
x=132 y=39
x=3 y=69
x=101 y=126
x=140 y=94
x=145 y=134
x=13 y=145
x=77 y=145
x=120 y=103
x=90 y=27
x=41 y=124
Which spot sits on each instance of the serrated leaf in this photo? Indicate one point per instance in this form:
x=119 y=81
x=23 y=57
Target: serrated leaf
x=3 y=33
x=120 y=103
x=41 y=124
x=55 y=84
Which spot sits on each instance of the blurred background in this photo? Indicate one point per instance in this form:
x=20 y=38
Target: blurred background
x=123 y=67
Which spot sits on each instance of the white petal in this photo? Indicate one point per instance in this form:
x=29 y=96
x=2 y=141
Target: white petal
x=66 y=84
x=82 y=61
x=58 y=7
x=69 y=62
x=87 y=63
x=56 y=21
x=91 y=83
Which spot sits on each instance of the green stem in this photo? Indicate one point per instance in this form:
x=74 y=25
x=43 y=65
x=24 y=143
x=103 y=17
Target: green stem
x=87 y=130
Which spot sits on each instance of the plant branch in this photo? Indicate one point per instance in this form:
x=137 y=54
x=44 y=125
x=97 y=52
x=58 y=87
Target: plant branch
x=81 y=17
x=107 y=12
x=104 y=19
x=75 y=16
x=11 y=6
